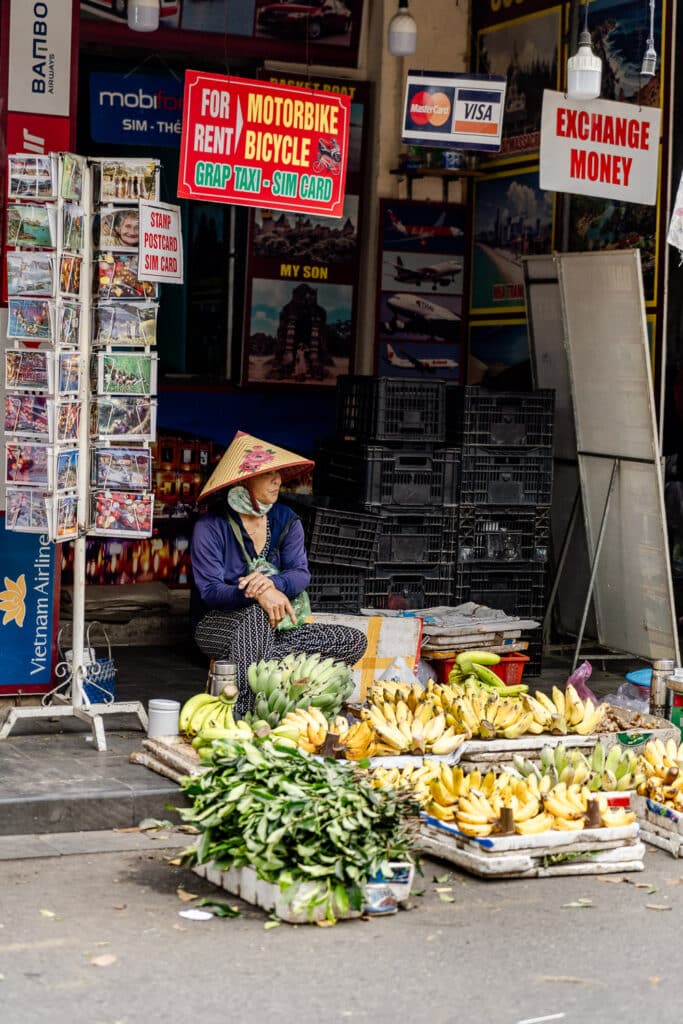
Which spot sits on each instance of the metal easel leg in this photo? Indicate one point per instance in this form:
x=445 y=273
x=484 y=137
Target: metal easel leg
x=547 y=619
x=594 y=565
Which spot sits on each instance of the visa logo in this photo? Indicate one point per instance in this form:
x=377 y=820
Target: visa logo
x=478 y=111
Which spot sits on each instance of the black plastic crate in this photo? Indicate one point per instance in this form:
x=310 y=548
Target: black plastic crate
x=519 y=590
x=506 y=476
x=376 y=476
x=339 y=536
x=336 y=590
x=494 y=534
x=398 y=588
x=478 y=416
x=534 y=666
x=388 y=409
x=417 y=538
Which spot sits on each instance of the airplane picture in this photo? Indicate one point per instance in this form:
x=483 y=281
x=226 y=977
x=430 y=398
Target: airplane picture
x=443 y=273
x=418 y=315
x=430 y=364
x=423 y=233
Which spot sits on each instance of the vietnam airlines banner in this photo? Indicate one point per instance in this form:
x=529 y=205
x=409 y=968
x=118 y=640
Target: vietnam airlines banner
x=454 y=111
x=27 y=611
x=600 y=148
x=259 y=144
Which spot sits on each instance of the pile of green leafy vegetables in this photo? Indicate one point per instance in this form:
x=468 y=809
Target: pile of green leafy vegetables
x=294 y=819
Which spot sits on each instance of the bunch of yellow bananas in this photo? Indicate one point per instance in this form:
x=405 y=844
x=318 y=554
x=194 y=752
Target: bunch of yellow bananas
x=400 y=730
x=564 y=712
x=205 y=711
x=482 y=806
x=416 y=778
x=662 y=764
x=307 y=729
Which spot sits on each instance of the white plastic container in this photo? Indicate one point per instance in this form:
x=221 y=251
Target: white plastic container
x=163 y=717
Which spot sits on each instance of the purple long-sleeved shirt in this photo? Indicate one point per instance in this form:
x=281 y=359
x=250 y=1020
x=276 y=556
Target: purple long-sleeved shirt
x=218 y=561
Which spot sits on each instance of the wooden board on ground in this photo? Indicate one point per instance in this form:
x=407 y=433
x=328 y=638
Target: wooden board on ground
x=590 y=851
x=171 y=756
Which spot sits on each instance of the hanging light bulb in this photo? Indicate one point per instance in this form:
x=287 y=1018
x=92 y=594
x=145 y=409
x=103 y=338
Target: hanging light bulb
x=584 y=69
x=143 y=15
x=402 y=32
x=649 y=65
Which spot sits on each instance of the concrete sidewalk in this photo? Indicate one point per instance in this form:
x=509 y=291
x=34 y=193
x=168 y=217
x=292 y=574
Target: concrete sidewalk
x=54 y=780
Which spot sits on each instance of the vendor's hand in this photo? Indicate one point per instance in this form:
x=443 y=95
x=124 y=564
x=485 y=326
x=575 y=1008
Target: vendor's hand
x=255 y=584
x=276 y=605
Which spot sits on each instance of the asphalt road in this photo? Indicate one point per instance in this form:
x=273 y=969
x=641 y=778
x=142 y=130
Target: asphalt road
x=96 y=938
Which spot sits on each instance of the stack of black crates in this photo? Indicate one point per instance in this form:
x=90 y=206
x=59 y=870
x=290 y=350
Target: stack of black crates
x=389 y=464
x=505 y=495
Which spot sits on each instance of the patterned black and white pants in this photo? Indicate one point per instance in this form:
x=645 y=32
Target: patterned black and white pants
x=246 y=635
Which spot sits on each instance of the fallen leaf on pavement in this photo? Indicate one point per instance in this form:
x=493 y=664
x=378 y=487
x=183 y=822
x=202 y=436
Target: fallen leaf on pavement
x=580 y=903
x=276 y=924
x=186 y=897
x=656 y=906
x=47 y=913
x=654 y=980
x=446 y=899
x=120 y=906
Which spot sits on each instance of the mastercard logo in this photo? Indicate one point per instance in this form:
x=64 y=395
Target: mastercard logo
x=428 y=107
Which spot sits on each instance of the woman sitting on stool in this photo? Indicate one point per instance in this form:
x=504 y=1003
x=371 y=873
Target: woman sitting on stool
x=249 y=565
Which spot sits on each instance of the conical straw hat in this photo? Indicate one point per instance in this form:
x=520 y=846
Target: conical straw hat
x=248 y=456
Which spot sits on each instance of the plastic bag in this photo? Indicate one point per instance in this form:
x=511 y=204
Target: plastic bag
x=579 y=680
x=630 y=697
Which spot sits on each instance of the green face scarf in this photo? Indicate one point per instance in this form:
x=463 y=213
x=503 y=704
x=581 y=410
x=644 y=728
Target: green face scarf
x=240 y=500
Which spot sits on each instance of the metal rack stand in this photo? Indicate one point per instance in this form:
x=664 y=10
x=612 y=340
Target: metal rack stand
x=74 y=703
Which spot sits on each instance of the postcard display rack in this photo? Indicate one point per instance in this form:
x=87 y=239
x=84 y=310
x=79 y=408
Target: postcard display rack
x=80 y=376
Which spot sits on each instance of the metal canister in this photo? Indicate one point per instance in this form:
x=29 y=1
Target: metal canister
x=222 y=673
x=661 y=670
x=674 y=687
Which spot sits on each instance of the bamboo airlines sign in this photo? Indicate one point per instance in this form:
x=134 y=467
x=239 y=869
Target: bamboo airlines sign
x=599 y=148
x=257 y=144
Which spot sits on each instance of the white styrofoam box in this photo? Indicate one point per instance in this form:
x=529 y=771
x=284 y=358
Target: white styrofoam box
x=243 y=882
x=628 y=858
x=414 y=760
x=549 y=842
x=661 y=826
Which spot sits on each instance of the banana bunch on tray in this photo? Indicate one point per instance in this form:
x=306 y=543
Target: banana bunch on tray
x=307 y=729
x=390 y=726
x=500 y=804
x=564 y=712
x=616 y=769
x=205 y=717
x=662 y=766
x=297 y=681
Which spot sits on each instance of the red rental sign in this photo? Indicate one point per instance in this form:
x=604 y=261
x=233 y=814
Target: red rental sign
x=260 y=144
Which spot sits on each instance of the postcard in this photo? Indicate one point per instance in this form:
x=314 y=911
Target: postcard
x=118 y=228
x=68 y=317
x=72 y=233
x=30 y=319
x=118 y=278
x=122 y=513
x=122 y=373
x=27 y=370
x=124 y=419
x=30 y=225
x=70 y=275
x=66 y=474
x=126 y=180
x=65 y=517
x=68 y=421
x=73 y=169
x=125 y=323
x=68 y=373
x=127 y=468
x=27 y=415
x=30 y=273
x=32 y=177
x=26 y=511
x=27 y=464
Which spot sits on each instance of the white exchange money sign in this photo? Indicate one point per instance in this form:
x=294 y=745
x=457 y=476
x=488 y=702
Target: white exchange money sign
x=599 y=148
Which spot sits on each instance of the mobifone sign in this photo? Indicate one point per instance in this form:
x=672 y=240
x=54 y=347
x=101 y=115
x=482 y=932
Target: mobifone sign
x=261 y=144
x=454 y=111
x=137 y=110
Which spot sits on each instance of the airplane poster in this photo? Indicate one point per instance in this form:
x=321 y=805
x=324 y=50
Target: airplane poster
x=419 y=324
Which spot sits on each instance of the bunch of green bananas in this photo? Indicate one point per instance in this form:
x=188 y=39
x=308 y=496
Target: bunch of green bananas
x=472 y=668
x=204 y=711
x=297 y=681
x=616 y=769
